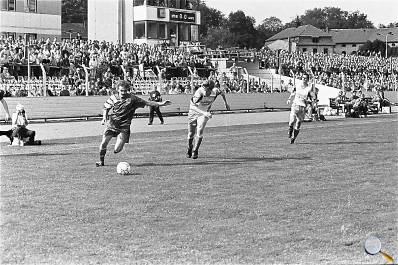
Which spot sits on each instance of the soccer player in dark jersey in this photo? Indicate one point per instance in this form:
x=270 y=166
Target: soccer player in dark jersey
x=5 y=106
x=118 y=112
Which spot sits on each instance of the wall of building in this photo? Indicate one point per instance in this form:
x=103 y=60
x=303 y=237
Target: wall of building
x=104 y=20
x=46 y=22
x=51 y=7
x=348 y=48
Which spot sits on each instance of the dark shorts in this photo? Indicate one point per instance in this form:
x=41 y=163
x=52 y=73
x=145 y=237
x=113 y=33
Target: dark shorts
x=114 y=132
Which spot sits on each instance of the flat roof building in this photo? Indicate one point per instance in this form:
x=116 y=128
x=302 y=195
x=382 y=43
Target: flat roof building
x=143 y=21
x=36 y=18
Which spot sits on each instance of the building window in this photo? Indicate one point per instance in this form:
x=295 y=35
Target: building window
x=30 y=37
x=183 y=30
x=11 y=5
x=161 y=12
x=304 y=49
x=31 y=6
x=7 y=5
x=138 y=2
x=9 y=35
x=173 y=3
x=325 y=50
x=162 y=31
x=139 y=30
x=189 y=5
x=194 y=33
x=314 y=50
x=343 y=45
x=354 y=45
x=315 y=40
x=152 y=32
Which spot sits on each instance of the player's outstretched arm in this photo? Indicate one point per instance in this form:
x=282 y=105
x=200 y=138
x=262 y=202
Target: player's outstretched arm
x=158 y=104
x=5 y=106
x=104 y=116
x=290 y=97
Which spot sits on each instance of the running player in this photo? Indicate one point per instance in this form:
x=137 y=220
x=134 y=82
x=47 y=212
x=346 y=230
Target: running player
x=118 y=112
x=199 y=114
x=299 y=105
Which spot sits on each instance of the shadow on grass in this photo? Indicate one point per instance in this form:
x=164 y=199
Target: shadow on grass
x=224 y=161
x=37 y=154
x=345 y=143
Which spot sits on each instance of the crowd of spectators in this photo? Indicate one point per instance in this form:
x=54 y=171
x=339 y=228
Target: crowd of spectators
x=64 y=62
x=346 y=72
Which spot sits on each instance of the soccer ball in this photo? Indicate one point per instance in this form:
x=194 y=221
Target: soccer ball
x=123 y=168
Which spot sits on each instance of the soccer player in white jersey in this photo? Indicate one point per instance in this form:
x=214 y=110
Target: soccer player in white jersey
x=298 y=108
x=199 y=114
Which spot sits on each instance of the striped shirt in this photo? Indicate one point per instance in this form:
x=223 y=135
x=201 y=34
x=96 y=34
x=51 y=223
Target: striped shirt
x=121 y=111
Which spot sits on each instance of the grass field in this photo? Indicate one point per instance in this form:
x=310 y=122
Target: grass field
x=250 y=198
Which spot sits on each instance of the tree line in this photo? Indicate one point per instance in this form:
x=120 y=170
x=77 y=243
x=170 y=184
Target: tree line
x=239 y=30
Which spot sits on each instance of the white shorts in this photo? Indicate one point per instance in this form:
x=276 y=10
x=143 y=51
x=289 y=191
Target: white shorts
x=196 y=125
x=297 y=112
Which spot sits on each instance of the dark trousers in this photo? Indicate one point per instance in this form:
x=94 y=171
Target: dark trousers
x=22 y=132
x=152 y=111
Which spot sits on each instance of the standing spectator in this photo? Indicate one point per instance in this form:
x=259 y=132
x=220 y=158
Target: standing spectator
x=155 y=96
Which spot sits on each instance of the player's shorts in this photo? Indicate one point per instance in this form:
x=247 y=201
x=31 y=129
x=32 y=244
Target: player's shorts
x=114 y=132
x=297 y=112
x=197 y=123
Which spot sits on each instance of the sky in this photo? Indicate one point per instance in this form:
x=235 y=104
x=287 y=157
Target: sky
x=377 y=11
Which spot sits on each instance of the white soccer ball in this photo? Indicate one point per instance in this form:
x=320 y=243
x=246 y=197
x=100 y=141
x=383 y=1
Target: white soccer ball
x=123 y=168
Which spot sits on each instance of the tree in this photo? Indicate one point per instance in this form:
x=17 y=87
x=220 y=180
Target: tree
x=242 y=28
x=357 y=20
x=332 y=18
x=210 y=18
x=295 y=23
x=74 y=11
x=390 y=25
x=216 y=37
x=269 y=27
x=376 y=46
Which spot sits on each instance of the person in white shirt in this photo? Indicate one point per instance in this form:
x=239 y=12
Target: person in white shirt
x=298 y=109
x=199 y=114
x=20 y=130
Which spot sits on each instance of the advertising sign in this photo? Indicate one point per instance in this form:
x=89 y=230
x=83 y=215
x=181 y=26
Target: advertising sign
x=182 y=16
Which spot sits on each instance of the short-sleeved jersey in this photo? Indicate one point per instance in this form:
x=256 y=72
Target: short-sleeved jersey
x=204 y=99
x=121 y=111
x=301 y=95
x=1 y=94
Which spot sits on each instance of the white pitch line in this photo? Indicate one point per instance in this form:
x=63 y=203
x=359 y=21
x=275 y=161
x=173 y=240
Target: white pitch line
x=270 y=130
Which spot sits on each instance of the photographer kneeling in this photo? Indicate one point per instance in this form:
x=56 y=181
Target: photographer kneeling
x=19 y=130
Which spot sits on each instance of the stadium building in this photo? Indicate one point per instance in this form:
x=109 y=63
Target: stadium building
x=305 y=38
x=308 y=38
x=143 y=21
x=348 y=41
x=36 y=18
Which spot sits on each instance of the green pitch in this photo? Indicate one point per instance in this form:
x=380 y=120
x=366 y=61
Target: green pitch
x=250 y=198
